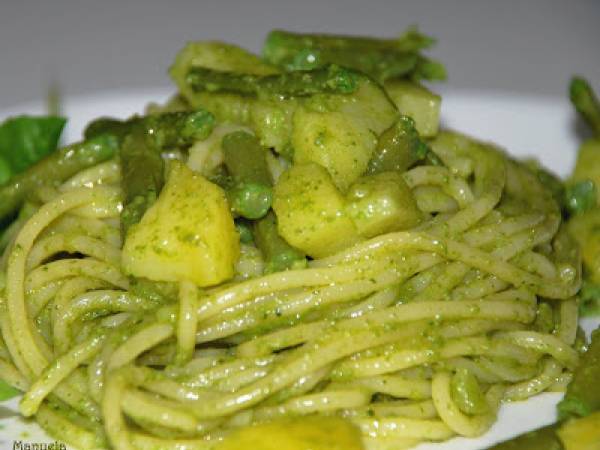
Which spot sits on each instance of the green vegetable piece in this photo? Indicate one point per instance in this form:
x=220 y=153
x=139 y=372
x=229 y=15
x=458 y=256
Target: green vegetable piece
x=429 y=70
x=549 y=180
x=142 y=169
x=399 y=148
x=5 y=171
x=250 y=200
x=589 y=299
x=54 y=169
x=142 y=140
x=540 y=439
x=580 y=197
x=329 y=79
x=584 y=229
x=381 y=59
x=466 y=393
x=108 y=125
x=278 y=254
x=544 y=319
x=7 y=391
x=165 y=130
x=244 y=229
x=586 y=103
x=179 y=129
x=251 y=195
x=24 y=140
x=583 y=396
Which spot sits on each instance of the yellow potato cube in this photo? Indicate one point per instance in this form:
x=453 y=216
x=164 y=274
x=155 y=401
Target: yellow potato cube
x=188 y=234
x=310 y=211
x=382 y=203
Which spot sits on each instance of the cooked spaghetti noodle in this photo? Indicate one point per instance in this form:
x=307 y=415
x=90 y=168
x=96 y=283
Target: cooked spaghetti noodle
x=411 y=335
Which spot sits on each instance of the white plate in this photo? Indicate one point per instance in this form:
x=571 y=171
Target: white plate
x=525 y=125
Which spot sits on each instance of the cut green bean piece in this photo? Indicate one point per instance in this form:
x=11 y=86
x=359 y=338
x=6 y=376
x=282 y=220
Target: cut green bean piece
x=583 y=396
x=179 y=129
x=54 y=169
x=142 y=169
x=108 y=125
x=165 y=130
x=379 y=58
x=245 y=159
x=399 y=148
x=278 y=254
x=586 y=103
x=330 y=79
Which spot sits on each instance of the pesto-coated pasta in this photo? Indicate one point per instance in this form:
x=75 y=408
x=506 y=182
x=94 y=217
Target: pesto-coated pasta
x=401 y=296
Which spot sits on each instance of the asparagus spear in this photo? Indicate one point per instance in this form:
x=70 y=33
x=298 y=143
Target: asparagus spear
x=327 y=79
x=245 y=159
x=54 y=169
x=379 y=58
x=278 y=254
x=399 y=148
x=586 y=103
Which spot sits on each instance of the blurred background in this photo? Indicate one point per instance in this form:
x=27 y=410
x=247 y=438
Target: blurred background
x=528 y=46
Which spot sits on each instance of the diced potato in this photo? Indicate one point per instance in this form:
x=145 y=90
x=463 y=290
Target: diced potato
x=582 y=433
x=584 y=229
x=310 y=433
x=340 y=132
x=333 y=141
x=188 y=234
x=382 y=203
x=272 y=120
x=310 y=211
x=417 y=102
x=587 y=166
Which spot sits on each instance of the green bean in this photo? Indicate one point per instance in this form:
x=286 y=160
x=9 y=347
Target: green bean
x=142 y=170
x=585 y=102
x=108 y=125
x=399 y=148
x=54 y=169
x=583 y=396
x=245 y=159
x=179 y=129
x=328 y=79
x=165 y=130
x=379 y=58
x=278 y=254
